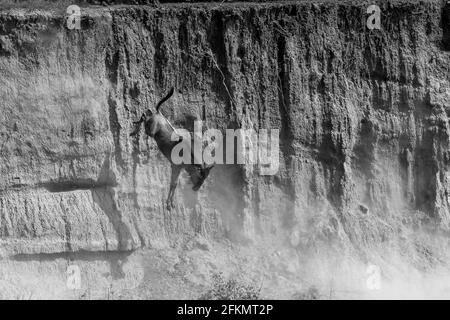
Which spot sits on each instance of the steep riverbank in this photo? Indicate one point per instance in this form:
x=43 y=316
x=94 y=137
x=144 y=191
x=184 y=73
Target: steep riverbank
x=364 y=137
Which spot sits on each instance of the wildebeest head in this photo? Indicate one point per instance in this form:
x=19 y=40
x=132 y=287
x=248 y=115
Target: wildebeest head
x=149 y=116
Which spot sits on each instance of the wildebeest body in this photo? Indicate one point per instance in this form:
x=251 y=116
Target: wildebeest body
x=159 y=128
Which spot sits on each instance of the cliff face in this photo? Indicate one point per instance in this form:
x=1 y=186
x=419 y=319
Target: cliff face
x=362 y=114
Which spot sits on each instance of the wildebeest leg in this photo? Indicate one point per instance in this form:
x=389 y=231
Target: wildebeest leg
x=176 y=169
x=198 y=174
x=204 y=174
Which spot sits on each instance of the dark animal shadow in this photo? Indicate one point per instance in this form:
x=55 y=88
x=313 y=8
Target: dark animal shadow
x=104 y=198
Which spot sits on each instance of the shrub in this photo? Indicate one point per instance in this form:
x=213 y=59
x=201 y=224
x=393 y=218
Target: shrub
x=230 y=289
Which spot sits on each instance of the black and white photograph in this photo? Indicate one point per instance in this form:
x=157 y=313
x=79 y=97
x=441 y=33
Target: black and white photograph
x=198 y=151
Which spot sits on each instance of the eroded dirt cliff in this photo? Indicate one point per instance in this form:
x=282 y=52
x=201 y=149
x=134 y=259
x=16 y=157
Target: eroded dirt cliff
x=364 y=139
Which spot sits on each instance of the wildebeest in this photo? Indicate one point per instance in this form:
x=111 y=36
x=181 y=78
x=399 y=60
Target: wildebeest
x=160 y=129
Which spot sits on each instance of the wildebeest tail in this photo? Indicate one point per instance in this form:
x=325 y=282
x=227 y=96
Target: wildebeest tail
x=168 y=95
